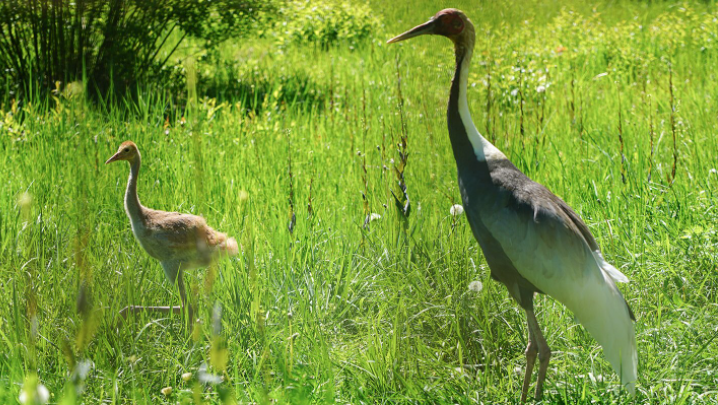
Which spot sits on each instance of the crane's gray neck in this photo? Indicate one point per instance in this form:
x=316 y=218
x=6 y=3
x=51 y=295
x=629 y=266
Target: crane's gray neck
x=132 y=202
x=466 y=141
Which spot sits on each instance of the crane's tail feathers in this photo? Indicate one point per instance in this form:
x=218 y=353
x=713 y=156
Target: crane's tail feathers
x=605 y=314
x=606 y=267
x=218 y=244
x=229 y=247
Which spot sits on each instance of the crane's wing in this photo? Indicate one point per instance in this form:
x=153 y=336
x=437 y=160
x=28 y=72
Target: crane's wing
x=546 y=241
x=178 y=232
x=171 y=236
x=187 y=239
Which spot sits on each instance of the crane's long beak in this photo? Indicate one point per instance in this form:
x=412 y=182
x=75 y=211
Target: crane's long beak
x=114 y=157
x=425 y=28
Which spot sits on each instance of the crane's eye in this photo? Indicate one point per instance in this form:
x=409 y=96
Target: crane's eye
x=457 y=23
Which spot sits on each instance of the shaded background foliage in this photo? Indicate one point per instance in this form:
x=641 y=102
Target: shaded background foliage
x=109 y=44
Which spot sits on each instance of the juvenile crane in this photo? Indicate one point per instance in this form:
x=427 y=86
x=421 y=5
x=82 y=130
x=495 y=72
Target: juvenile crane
x=532 y=240
x=179 y=241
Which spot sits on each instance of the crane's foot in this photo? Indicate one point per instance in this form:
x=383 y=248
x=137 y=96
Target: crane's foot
x=544 y=356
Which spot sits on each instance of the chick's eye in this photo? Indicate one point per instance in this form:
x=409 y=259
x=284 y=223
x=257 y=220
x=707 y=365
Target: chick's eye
x=457 y=23
x=127 y=150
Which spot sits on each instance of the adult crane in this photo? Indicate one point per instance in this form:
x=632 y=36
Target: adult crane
x=532 y=240
x=179 y=241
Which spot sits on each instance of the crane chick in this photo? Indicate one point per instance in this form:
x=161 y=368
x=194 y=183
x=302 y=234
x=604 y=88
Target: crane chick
x=179 y=241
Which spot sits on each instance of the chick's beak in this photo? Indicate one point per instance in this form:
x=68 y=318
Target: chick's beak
x=425 y=28
x=114 y=157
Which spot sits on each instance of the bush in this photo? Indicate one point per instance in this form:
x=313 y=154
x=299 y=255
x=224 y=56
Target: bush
x=110 y=43
x=323 y=22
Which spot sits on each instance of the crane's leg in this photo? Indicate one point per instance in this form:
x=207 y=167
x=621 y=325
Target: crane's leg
x=176 y=309
x=183 y=297
x=174 y=274
x=544 y=352
x=531 y=352
x=134 y=309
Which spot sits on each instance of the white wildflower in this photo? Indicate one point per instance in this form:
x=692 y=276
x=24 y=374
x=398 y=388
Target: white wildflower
x=166 y=391
x=40 y=396
x=186 y=377
x=207 y=378
x=456 y=210
x=80 y=373
x=541 y=88
x=374 y=216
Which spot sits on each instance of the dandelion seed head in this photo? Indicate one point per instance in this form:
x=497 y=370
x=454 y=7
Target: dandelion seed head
x=166 y=391
x=476 y=286
x=456 y=210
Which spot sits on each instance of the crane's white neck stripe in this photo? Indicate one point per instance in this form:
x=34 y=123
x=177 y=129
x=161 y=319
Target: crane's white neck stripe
x=483 y=149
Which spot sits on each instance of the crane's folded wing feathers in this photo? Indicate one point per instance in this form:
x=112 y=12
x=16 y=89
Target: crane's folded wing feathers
x=186 y=238
x=545 y=239
x=539 y=239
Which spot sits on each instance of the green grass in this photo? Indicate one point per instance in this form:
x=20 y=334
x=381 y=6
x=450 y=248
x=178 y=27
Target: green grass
x=338 y=313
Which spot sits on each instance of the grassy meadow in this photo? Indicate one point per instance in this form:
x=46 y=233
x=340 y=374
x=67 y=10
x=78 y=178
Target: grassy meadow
x=612 y=105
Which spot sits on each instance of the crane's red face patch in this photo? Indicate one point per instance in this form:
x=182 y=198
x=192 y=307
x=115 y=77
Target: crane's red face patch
x=450 y=22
